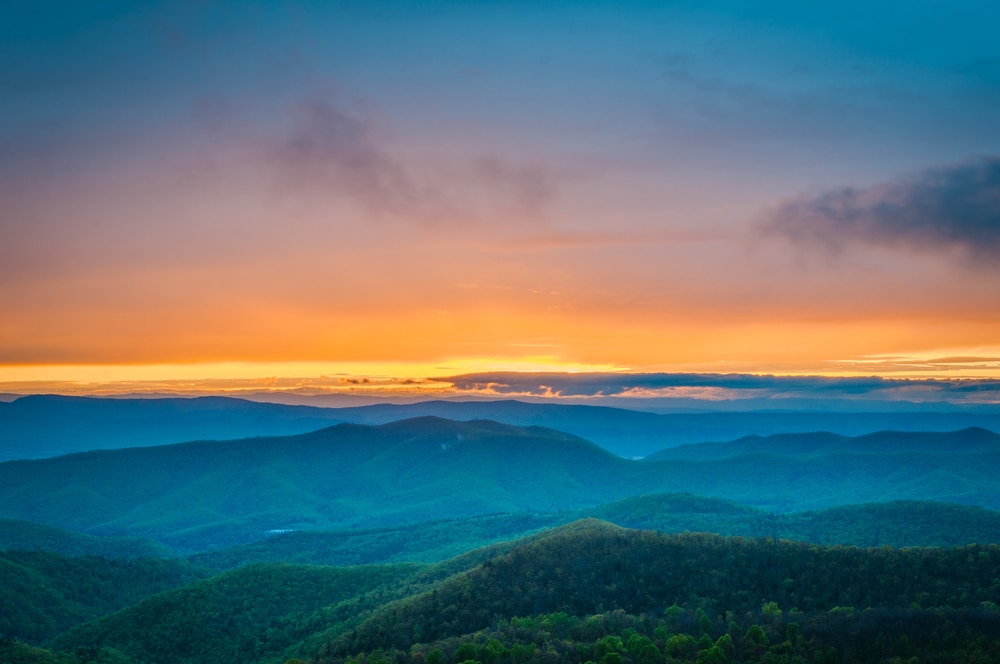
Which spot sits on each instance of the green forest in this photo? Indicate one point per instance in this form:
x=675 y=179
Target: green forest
x=438 y=542
x=588 y=591
x=210 y=495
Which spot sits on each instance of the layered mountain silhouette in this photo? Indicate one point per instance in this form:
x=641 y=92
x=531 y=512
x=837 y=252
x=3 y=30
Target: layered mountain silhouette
x=46 y=426
x=973 y=440
x=207 y=494
x=42 y=426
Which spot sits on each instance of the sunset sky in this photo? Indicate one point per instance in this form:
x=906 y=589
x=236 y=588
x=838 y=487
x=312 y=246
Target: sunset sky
x=211 y=194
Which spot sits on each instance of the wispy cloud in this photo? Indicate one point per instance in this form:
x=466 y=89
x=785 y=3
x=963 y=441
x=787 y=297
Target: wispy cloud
x=951 y=209
x=723 y=391
x=718 y=386
x=926 y=365
x=331 y=151
x=564 y=239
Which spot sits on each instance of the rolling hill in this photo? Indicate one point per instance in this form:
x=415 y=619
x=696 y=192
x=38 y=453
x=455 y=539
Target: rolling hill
x=575 y=593
x=972 y=440
x=634 y=434
x=45 y=426
x=29 y=536
x=43 y=594
x=248 y=614
x=897 y=524
x=41 y=426
x=202 y=495
x=591 y=566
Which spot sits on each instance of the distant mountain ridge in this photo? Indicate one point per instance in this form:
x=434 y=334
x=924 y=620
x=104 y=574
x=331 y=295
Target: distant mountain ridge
x=972 y=439
x=897 y=524
x=46 y=425
x=43 y=426
x=349 y=475
x=217 y=493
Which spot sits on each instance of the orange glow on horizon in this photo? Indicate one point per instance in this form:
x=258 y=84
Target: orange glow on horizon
x=415 y=378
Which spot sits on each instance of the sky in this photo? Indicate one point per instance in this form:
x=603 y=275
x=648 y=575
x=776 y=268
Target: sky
x=199 y=194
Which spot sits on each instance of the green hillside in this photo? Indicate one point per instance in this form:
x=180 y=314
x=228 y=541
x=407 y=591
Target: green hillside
x=43 y=594
x=585 y=591
x=421 y=542
x=28 y=536
x=590 y=566
x=897 y=524
x=250 y=614
x=205 y=495
x=766 y=636
x=965 y=441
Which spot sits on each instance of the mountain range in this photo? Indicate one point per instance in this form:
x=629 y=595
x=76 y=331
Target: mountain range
x=210 y=494
x=46 y=425
x=436 y=541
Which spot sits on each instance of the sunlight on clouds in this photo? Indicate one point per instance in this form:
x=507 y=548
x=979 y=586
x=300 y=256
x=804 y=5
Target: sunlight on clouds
x=514 y=198
x=302 y=377
x=967 y=362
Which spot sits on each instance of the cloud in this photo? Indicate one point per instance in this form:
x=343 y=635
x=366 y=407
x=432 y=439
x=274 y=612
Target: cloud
x=716 y=386
x=952 y=209
x=331 y=151
x=564 y=239
x=524 y=188
x=904 y=363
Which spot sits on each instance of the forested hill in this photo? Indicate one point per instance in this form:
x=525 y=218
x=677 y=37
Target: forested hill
x=632 y=434
x=43 y=594
x=897 y=524
x=196 y=496
x=673 y=589
x=972 y=440
x=246 y=615
x=45 y=425
x=28 y=536
x=203 y=494
x=571 y=594
x=588 y=567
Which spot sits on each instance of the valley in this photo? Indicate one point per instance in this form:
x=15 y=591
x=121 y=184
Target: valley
x=435 y=540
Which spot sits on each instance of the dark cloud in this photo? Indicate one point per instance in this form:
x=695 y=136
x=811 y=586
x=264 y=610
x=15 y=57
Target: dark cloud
x=949 y=209
x=729 y=386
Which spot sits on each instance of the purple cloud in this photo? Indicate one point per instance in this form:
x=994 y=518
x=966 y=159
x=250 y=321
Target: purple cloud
x=330 y=150
x=948 y=209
